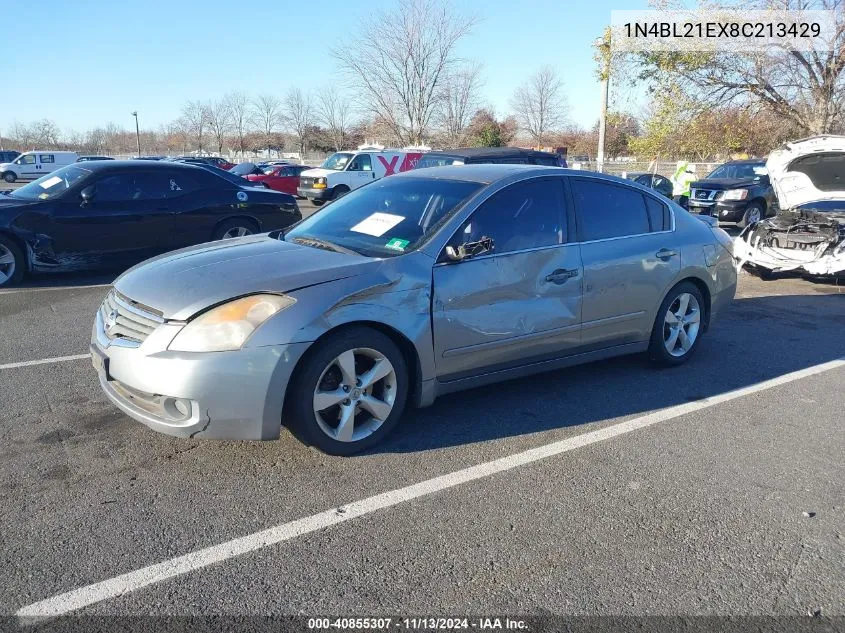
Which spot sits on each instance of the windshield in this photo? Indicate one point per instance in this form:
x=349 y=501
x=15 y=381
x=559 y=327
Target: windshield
x=824 y=206
x=739 y=170
x=388 y=217
x=337 y=162
x=52 y=185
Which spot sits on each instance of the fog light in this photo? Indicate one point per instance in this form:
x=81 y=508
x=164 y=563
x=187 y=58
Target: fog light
x=178 y=409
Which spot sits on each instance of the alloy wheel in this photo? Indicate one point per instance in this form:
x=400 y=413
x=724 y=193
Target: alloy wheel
x=7 y=264
x=236 y=231
x=355 y=394
x=753 y=215
x=681 y=324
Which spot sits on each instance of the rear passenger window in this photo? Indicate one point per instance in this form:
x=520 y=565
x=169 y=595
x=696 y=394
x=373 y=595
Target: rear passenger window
x=606 y=210
x=658 y=215
x=47 y=158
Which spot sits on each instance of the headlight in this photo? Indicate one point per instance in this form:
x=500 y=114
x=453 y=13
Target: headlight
x=735 y=194
x=319 y=183
x=227 y=327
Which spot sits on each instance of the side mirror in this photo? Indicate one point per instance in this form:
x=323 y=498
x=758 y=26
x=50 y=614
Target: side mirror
x=87 y=194
x=469 y=249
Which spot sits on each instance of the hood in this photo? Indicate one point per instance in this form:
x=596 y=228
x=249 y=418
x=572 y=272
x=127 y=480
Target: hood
x=720 y=184
x=10 y=202
x=318 y=172
x=183 y=282
x=808 y=170
x=5 y=166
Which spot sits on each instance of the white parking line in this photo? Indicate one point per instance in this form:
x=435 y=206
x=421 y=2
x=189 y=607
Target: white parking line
x=132 y=581
x=46 y=289
x=44 y=361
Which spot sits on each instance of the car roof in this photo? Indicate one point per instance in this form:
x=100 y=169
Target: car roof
x=746 y=161
x=487 y=173
x=488 y=152
x=146 y=165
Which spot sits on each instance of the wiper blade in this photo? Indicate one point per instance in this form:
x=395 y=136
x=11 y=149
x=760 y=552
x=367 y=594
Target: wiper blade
x=324 y=244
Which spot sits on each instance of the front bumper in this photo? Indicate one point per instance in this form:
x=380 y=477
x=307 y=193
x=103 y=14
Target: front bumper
x=723 y=211
x=314 y=194
x=236 y=395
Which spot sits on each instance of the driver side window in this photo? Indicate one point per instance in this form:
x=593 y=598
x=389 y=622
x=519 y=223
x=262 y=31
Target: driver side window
x=115 y=188
x=523 y=216
x=26 y=159
x=361 y=163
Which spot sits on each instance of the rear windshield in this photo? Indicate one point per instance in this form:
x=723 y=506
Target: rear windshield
x=433 y=160
x=52 y=185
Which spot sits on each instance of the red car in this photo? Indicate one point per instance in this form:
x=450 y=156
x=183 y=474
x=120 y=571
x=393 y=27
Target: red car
x=284 y=178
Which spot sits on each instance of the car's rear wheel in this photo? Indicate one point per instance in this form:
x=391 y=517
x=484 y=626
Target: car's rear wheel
x=236 y=227
x=10 y=176
x=678 y=326
x=12 y=263
x=349 y=393
x=753 y=214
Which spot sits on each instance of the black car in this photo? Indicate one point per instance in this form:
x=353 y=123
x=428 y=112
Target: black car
x=739 y=191
x=214 y=161
x=85 y=159
x=7 y=156
x=116 y=213
x=473 y=155
x=654 y=181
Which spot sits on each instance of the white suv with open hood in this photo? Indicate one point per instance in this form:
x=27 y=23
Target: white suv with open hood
x=809 y=233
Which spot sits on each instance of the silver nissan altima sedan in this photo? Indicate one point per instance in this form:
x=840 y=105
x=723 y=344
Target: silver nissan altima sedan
x=410 y=287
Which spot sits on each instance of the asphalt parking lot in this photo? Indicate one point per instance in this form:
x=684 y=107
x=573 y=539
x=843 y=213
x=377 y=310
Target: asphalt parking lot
x=612 y=488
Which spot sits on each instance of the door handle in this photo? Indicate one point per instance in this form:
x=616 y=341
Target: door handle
x=665 y=254
x=560 y=275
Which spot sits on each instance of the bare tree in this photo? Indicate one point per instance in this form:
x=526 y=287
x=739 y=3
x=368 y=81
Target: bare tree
x=219 y=121
x=334 y=111
x=238 y=104
x=299 y=116
x=461 y=100
x=267 y=115
x=539 y=104
x=399 y=60
x=805 y=88
x=23 y=134
x=195 y=116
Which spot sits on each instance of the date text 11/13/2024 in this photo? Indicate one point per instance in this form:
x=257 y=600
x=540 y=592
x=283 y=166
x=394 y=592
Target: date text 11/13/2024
x=418 y=623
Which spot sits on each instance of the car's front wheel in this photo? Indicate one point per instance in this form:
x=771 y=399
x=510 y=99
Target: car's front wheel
x=753 y=214
x=10 y=176
x=12 y=264
x=678 y=326
x=349 y=393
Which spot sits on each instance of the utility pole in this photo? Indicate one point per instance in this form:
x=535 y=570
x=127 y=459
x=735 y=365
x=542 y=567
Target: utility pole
x=137 y=132
x=603 y=46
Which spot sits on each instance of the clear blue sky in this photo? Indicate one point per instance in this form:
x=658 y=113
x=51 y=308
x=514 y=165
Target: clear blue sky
x=89 y=62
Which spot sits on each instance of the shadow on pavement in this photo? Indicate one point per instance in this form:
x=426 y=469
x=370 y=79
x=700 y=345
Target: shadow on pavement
x=757 y=339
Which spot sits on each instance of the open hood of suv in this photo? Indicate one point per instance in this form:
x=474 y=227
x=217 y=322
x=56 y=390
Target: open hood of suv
x=808 y=170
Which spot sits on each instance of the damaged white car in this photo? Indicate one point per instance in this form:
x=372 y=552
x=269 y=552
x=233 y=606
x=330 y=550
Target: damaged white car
x=808 y=234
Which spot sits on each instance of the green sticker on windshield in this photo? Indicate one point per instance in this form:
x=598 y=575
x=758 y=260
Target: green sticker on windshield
x=397 y=244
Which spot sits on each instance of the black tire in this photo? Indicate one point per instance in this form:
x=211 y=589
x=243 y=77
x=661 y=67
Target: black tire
x=9 y=176
x=18 y=268
x=339 y=191
x=317 y=203
x=234 y=223
x=753 y=210
x=299 y=409
x=656 y=349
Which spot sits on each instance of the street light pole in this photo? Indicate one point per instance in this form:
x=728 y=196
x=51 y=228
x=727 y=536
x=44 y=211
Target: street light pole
x=137 y=132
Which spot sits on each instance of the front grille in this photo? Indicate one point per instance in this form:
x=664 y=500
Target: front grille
x=305 y=181
x=127 y=320
x=705 y=194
